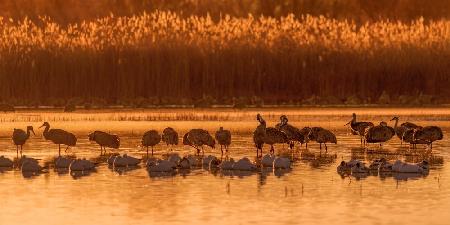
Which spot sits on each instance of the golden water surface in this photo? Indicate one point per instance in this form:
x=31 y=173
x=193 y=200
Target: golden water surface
x=311 y=193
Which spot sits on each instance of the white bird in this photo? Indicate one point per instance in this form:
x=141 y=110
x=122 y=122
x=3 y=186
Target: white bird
x=360 y=168
x=5 y=162
x=267 y=160
x=20 y=137
x=193 y=160
x=402 y=167
x=206 y=160
x=244 y=164
x=63 y=162
x=184 y=163
x=227 y=164
x=281 y=163
x=59 y=137
x=81 y=165
x=125 y=161
x=214 y=164
x=175 y=158
x=31 y=166
x=161 y=166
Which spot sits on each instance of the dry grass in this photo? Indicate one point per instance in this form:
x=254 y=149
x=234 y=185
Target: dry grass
x=162 y=58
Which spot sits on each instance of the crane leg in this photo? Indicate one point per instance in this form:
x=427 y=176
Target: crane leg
x=21 y=149
x=326 y=148
x=59 y=150
x=147 y=152
x=221 y=149
x=320 y=144
x=152 y=150
x=17 y=148
x=272 y=150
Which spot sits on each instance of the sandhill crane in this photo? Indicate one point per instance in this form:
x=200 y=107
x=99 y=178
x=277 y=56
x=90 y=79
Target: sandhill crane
x=104 y=140
x=428 y=134
x=59 y=137
x=400 y=130
x=293 y=133
x=267 y=135
x=379 y=134
x=151 y=138
x=170 y=136
x=20 y=137
x=196 y=138
x=259 y=134
x=322 y=136
x=223 y=137
x=408 y=137
x=358 y=128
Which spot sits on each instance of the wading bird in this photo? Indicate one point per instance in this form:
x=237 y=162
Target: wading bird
x=170 y=136
x=428 y=134
x=293 y=133
x=223 y=137
x=322 y=136
x=196 y=138
x=151 y=138
x=59 y=137
x=400 y=130
x=20 y=137
x=105 y=140
x=259 y=134
x=267 y=135
x=379 y=134
x=358 y=128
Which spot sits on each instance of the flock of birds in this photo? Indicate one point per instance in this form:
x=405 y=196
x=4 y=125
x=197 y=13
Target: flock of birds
x=282 y=133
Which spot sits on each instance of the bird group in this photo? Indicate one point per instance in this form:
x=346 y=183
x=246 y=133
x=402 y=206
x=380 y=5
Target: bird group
x=196 y=138
x=407 y=132
x=286 y=133
x=281 y=133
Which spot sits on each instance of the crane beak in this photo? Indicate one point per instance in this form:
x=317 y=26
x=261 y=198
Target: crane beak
x=347 y=123
x=41 y=127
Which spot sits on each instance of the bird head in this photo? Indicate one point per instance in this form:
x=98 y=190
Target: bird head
x=212 y=143
x=258 y=117
x=382 y=123
x=30 y=128
x=283 y=119
x=91 y=136
x=394 y=118
x=45 y=124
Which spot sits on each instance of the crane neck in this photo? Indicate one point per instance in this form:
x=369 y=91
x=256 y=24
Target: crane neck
x=396 y=123
x=47 y=128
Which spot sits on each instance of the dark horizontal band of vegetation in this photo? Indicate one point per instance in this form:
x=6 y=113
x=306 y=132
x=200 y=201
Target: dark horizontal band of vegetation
x=69 y=11
x=165 y=59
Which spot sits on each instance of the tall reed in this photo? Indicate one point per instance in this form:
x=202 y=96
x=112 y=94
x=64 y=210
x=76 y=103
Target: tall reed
x=177 y=60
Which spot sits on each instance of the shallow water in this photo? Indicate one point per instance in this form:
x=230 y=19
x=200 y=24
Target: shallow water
x=311 y=193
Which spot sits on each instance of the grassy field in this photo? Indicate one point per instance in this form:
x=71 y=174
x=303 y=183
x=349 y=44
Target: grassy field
x=163 y=58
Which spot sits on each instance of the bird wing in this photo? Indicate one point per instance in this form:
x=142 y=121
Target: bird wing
x=59 y=136
x=19 y=136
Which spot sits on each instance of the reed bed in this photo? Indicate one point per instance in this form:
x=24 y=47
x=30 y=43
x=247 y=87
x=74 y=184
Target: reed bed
x=163 y=58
